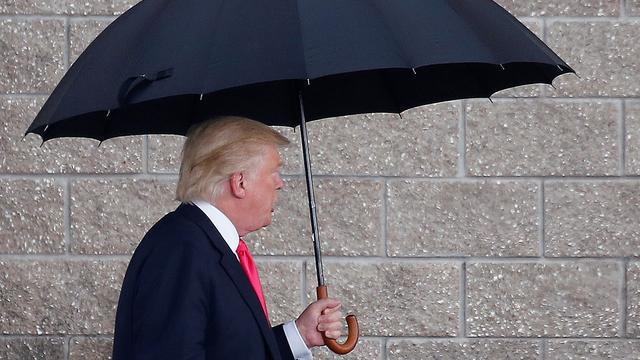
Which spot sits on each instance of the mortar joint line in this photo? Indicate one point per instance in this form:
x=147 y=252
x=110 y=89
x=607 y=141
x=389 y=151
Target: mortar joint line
x=623 y=299
x=466 y=180
x=145 y=155
x=67 y=346
x=622 y=151
x=541 y=228
x=66 y=215
x=303 y=278
x=589 y=19
x=67 y=44
x=462 y=141
x=384 y=215
x=385 y=346
x=462 y=323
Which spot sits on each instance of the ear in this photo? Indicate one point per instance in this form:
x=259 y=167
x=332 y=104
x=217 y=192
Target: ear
x=237 y=185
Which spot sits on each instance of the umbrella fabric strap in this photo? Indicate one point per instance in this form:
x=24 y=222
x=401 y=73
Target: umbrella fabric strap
x=138 y=82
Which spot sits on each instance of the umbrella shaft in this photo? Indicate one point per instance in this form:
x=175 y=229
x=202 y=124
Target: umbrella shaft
x=312 y=199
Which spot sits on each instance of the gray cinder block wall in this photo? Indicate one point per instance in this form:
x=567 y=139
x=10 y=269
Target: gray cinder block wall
x=467 y=230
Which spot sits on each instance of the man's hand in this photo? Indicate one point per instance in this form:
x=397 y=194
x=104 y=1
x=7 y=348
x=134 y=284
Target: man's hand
x=320 y=316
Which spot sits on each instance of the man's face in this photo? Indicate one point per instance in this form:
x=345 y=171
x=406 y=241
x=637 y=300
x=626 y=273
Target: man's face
x=262 y=189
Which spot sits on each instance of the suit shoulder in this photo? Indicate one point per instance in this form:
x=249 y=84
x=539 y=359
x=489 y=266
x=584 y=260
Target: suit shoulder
x=174 y=234
x=173 y=224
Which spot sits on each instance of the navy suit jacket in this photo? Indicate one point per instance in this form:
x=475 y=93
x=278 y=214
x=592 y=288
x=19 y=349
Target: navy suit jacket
x=185 y=296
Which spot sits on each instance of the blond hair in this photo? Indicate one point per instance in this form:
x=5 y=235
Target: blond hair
x=217 y=148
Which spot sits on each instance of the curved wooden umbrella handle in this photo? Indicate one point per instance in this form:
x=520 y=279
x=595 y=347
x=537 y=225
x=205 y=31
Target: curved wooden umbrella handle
x=352 y=324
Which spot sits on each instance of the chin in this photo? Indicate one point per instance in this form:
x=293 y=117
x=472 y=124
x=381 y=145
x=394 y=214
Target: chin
x=266 y=223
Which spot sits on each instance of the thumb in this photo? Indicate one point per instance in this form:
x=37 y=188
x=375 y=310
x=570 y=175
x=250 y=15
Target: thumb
x=328 y=303
x=331 y=310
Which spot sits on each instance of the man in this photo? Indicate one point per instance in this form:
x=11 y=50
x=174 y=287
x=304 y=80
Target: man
x=191 y=290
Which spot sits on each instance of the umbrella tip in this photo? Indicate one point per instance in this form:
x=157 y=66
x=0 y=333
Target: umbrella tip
x=308 y=81
x=41 y=135
x=490 y=99
x=502 y=67
x=414 y=71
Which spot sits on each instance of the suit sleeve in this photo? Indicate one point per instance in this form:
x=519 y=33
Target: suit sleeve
x=283 y=344
x=170 y=305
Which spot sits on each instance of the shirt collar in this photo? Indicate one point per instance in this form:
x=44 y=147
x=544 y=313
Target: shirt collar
x=222 y=223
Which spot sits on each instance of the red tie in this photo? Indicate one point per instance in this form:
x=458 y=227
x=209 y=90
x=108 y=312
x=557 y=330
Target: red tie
x=249 y=267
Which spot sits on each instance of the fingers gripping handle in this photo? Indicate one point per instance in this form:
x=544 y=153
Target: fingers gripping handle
x=352 y=324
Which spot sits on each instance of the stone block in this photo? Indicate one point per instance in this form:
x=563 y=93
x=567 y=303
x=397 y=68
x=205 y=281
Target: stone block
x=573 y=299
x=349 y=219
x=292 y=154
x=534 y=90
x=33 y=221
x=561 y=7
x=462 y=219
x=395 y=298
x=282 y=286
x=112 y=216
x=463 y=349
x=592 y=219
x=21 y=154
x=633 y=299
x=605 y=55
x=632 y=125
x=542 y=138
x=592 y=349
x=289 y=232
x=33 y=55
x=422 y=143
x=35 y=348
x=90 y=348
x=65 y=7
x=367 y=349
x=165 y=153
x=82 y=33
x=51 y=297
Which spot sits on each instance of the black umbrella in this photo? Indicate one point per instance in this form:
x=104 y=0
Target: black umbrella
x=167 y=64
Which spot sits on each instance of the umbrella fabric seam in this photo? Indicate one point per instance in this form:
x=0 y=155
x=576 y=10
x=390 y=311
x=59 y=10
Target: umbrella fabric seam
x=402 y=53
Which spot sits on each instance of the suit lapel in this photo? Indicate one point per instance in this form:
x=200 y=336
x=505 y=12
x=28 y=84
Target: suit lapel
x=232 y=267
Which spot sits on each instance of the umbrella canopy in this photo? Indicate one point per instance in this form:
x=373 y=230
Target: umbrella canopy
x=166 y=64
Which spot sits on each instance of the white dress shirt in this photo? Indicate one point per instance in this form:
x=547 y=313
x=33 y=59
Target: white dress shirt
x=230 y=235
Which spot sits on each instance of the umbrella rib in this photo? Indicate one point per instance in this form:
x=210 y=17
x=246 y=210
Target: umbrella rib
x=400 y=50
x=79 y=63
x=215 y=23
x=301 y=37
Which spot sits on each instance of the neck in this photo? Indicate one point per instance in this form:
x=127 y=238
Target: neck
x=230 y=210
